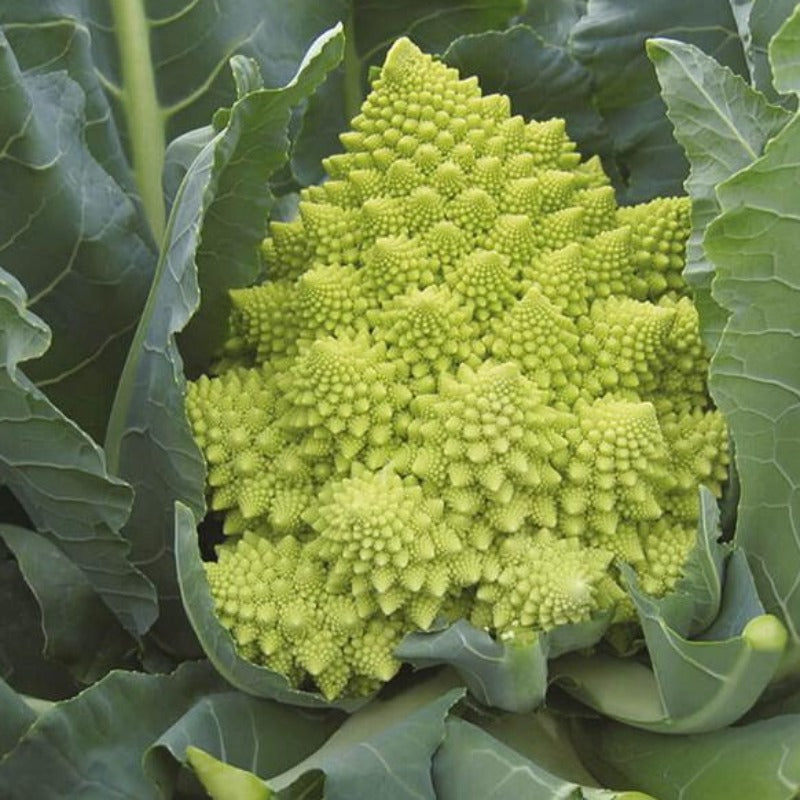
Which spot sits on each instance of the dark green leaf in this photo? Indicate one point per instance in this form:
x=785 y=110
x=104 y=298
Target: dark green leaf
x=609 y=40
x=68 y=230
x=543 y=80
x=613 y=31
x=722 y=125
x=472 y=765
x=741 y=10
x=252 y=149
x=179 y=156
x=622 y=688
x=761 y=760
x=755 y=374
x=91 y=747
x=764 y=19
x=553 y=20
x=740 y=601
x=22 y=641
x=705 y=684
x=323 y=120
x=163 y=65
x=149 y=442
x=695 y=685
x=777 y=700
x=395 y=764
x=542 y=737
x=311 y=786
x=215 y=640
x=431 y=25
x=190 y=46
x=15 y=718
x=384 y=751
x=575 y=636
x=783 y=55
x=65 y=43
x=260 y=736
x=59 y=475
x=508 y=675
x=80 y=630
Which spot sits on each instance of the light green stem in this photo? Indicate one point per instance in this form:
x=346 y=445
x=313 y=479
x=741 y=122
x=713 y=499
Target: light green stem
x=352 y=71
x=144 y=114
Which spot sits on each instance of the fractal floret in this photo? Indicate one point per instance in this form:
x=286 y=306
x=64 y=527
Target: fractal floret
x=470 y=386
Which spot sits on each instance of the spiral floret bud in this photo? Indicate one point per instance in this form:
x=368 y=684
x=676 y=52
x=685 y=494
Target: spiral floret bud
x=541 y=582
x=274 y=599
x=383 y=540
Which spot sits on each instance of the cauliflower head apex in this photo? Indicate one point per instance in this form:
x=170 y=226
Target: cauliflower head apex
x=469 y=387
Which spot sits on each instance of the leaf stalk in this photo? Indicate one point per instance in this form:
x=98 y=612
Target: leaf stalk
x=145 y=117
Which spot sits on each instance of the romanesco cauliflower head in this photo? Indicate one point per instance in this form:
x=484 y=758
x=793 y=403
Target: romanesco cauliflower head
x=469 y=387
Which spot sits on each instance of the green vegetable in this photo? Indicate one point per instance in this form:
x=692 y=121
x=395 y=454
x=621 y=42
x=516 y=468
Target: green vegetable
x=695 y=697
x=470 y=383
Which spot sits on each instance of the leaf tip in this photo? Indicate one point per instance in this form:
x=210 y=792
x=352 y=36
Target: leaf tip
x=766 y=634
x=655 y=49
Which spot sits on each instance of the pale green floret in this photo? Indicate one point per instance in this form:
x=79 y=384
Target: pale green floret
x=427 y=333
x=561 y=277
x=665 y=543
x=538 y=582
x=275 y=600
x=384 y=541
x=534 y=334
x=286 y=251
x=627 y=342
x=263 y=322
x=470 y=387
x=338 y=399
x=617 y=470
x=487 y=443
x=658 y=239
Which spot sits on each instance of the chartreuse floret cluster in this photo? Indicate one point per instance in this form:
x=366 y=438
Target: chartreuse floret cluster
x=469 y=387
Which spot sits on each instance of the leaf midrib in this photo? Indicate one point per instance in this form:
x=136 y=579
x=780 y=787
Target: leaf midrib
x=145 y=117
